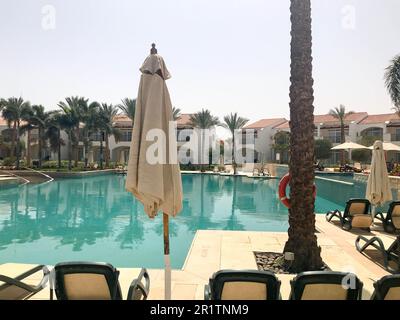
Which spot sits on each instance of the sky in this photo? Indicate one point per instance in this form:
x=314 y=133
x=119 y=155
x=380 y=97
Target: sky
x=223 y=55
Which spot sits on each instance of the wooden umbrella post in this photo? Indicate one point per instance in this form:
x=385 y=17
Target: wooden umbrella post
x=167 y=274
x=166 y=233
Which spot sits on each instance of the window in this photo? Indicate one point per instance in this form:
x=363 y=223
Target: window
x=397 y=135
x=334 y=135
x=183 y=135
x=126 y=135
x=373 y=132
x=96 y=136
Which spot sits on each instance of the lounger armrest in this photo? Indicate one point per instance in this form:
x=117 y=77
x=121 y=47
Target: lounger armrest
x=137 y=290
x=18 y=281
x=46 y=277
x=335 y=213
x=207 y=292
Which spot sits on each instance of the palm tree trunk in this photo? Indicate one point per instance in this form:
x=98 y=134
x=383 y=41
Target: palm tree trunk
x=28 y=150
x=107 y=151
x=13 y=136
x=40 y=146
x=302 y=240
x=101 y=151
x=59 y=149
x=69 y=151
x=76 y=151
x=233 y=154
x=203 y=168
x=18 y=148
x=86 y=146
x=342 y=140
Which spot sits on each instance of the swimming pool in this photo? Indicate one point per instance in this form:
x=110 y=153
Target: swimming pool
x=95 y=219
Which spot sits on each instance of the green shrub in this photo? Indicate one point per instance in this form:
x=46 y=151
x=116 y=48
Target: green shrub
x=9 y=161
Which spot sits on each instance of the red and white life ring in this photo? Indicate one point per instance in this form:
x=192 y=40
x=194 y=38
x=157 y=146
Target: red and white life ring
x=282 y=190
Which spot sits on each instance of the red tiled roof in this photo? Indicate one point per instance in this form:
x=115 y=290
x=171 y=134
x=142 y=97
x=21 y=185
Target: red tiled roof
x=266 y=123
x=284 y=125
x=3 y=122
x=330 y=121
x=122 y=121
x=327 y=119
x=184 y=119
x=121 y=117
x=380 y=118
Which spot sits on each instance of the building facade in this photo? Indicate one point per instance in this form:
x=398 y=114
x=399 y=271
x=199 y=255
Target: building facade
x=271 y=136
x=267 y=138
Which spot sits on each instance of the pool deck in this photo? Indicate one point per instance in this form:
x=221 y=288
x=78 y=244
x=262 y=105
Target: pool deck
x=212 y=250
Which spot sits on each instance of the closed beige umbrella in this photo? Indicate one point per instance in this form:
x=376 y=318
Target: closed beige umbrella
x=156 y=185
x=378 y=187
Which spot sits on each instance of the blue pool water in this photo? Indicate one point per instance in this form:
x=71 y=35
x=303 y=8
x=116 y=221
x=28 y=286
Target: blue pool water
x=95 y=219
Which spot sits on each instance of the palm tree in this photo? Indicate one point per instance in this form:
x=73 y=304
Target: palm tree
x=392 y=81
x=39 y=119
x=341 y=114
x=203 y=120
x=128 y=107
x=15 y=110
x=53 y=134
x=233 y=122
x=88 y=113
x=176 y=113
x=69 y=121
x=76 y=107
x=302 y=240
x=27 y=128
x=107 y=114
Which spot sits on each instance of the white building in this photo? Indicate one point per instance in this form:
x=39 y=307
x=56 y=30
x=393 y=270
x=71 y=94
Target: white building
x=384 y=127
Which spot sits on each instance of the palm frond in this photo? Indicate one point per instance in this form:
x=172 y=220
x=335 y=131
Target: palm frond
x=392 y=82
x=128 y=107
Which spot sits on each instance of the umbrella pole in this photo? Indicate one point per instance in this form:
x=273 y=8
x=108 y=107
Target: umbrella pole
x=167 y=274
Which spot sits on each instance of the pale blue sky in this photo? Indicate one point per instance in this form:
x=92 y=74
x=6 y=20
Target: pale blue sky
x=225 y=55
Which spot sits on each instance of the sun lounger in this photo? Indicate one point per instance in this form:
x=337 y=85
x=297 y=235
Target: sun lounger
x=391 y=221
x=242 y=285
x=325 y=285
x=266 y=173
x=17 y=289
x=390 y=254
x=356 y=215
x=387 y=288
x=94 y=281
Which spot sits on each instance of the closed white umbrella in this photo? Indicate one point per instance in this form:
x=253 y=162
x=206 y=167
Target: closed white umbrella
x=156 y=184
x=378 y=187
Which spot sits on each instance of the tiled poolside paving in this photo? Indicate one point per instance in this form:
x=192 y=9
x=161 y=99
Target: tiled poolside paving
x=213 y=250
